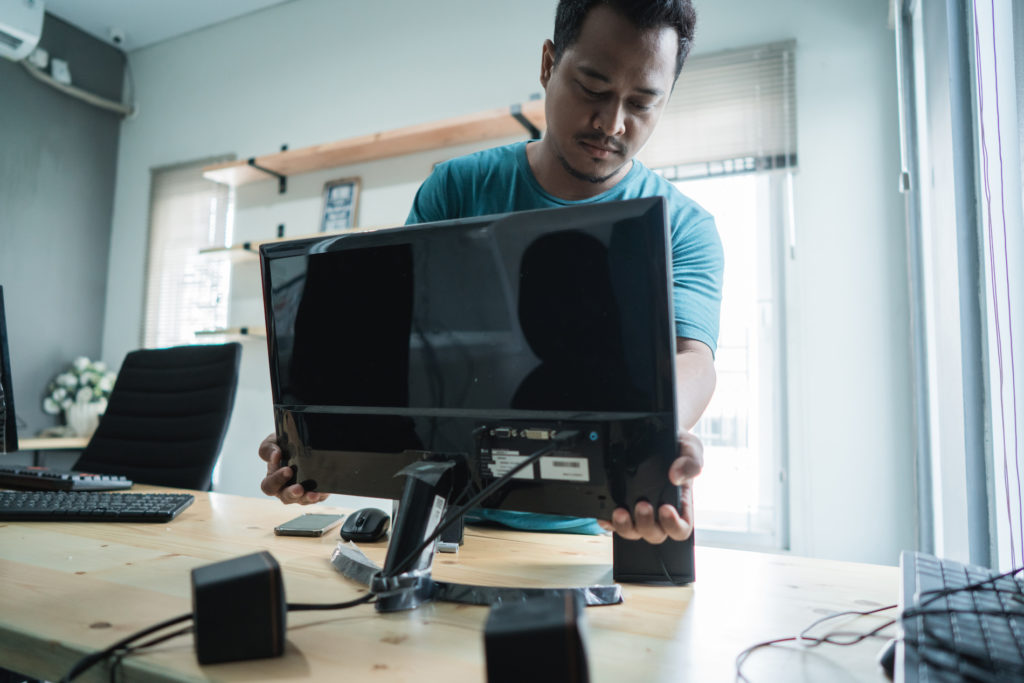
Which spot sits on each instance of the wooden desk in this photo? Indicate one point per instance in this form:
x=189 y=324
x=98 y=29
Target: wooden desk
x=53 y=443
x=63 y=443
x=72 y=588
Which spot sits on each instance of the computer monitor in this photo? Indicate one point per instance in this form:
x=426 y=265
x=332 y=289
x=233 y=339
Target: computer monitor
x=476 y=340
x=8 y=426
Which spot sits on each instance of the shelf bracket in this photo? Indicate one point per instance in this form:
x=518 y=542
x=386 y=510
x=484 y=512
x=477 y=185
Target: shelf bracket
x=517 y=113
x=282 y=180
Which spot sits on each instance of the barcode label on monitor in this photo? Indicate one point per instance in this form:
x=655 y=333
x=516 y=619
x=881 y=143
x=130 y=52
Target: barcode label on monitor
x=503 y=461
x=436 y=512
x=564 y=469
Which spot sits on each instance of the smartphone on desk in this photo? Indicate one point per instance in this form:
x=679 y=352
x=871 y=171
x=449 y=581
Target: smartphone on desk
x=308 y=525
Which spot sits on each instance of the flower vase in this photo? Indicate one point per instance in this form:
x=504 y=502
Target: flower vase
x=83 y=417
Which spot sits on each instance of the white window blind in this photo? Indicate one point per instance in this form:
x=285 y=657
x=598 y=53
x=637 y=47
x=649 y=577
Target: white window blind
x=186 y=291
x=731 y=112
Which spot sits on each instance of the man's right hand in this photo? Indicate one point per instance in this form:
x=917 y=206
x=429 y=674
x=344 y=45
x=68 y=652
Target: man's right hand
x=274 y=484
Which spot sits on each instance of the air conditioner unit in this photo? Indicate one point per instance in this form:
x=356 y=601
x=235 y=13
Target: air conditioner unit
x=21 y=24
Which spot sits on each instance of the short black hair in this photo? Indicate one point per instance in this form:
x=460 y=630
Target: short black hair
x=644 y=14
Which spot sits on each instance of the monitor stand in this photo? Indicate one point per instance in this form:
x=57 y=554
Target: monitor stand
x=404 y=584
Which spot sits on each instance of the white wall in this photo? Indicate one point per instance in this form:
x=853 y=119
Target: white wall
x=851 y=423
x=311 y=71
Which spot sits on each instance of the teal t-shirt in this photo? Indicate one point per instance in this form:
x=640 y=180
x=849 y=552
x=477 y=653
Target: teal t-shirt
x=499 y=180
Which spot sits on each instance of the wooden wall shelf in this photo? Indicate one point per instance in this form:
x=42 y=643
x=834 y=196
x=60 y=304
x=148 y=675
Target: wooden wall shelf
x=487 y=125
x=252 y=247
x=243 y=331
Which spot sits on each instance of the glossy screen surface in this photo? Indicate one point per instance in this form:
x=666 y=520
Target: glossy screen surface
x=398 y=345
x=522 y=312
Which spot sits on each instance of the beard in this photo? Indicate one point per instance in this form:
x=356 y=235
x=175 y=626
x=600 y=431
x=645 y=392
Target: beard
x=586 y=177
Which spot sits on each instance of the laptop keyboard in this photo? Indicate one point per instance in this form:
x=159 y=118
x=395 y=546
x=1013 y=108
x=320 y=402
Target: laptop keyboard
x=91 y=506
x=953 y=633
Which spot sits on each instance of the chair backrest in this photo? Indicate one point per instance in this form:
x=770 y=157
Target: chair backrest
x=166 y=416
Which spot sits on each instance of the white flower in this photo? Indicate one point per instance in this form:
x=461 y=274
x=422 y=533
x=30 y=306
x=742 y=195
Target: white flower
x=83 y=381
x=50 y=406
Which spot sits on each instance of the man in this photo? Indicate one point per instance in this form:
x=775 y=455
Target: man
x=607 y=75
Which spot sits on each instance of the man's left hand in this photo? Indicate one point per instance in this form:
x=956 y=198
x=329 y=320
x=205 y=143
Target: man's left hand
x=667 y=522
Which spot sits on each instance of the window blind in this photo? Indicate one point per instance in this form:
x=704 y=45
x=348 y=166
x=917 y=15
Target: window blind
x=730 y=112
x=186 y=291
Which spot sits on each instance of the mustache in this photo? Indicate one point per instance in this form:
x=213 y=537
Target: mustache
x=599 y=140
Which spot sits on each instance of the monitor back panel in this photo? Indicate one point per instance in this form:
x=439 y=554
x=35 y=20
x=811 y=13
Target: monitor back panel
x=471 y=339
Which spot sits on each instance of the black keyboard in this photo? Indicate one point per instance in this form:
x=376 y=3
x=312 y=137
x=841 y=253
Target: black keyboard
x=45 y=479
x=91 y=506
x=952 y=633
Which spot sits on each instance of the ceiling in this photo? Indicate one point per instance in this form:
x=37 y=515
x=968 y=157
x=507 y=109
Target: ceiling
x=145 y=22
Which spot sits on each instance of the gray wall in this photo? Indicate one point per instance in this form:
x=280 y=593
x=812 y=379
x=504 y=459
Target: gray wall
x=57 y=170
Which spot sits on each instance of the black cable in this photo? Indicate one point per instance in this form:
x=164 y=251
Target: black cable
x=132 y=649
x=302 y=607
x=828 y=639
x=664 y=568
x=557 y=441
x=123 y=648
x=941 y=643
x=88 y=661
x=944 y=592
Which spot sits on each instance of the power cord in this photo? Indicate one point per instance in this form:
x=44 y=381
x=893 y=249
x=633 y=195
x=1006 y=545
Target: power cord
x=559 y=440
x=124 y=647
x=118 y=656
x=88 y=661
x=305 y=607
x=809 y=641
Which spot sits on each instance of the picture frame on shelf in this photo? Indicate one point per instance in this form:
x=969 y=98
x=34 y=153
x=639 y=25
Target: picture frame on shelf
x=340 y=205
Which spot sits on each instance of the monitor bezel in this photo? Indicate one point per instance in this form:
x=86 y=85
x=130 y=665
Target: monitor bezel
x=9 y=416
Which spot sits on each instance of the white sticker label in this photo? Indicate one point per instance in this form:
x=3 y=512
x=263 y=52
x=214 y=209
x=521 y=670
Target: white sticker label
x=435 y=518
x=504 y=463
x=564 y=469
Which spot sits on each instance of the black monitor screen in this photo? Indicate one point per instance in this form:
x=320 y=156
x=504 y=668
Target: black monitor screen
x=389 y=345
x=8 y=428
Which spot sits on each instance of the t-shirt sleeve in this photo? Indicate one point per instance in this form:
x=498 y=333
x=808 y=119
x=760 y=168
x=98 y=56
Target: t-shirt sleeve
x=434 y=200
x=698 y=263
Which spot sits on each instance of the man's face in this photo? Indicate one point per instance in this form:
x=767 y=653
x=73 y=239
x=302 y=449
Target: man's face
x=605 y=96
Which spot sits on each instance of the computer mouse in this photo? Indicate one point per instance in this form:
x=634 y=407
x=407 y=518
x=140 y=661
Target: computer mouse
x=366 y=525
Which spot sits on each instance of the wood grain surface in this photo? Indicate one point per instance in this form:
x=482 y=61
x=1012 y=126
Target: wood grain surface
x=67 y=589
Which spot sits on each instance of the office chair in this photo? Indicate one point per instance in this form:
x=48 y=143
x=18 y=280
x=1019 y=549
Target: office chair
x=166 y=416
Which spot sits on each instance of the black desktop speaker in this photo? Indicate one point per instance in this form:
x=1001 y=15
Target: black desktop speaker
x=669 y=563
x=539 y=639
x=239 y=609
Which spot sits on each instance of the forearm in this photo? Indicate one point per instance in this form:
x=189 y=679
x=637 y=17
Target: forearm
x=695 y=381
